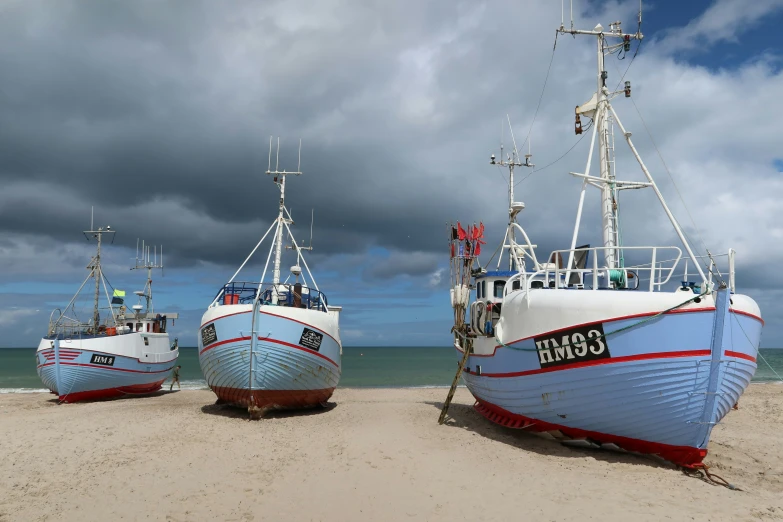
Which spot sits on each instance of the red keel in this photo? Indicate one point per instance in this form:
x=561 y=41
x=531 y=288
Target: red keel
x=110 y=393
x=686 y=456
x=277 y=399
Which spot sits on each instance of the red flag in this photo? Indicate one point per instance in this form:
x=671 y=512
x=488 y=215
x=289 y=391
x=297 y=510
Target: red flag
x=478 y=248
x=452 y=250
x=461 y=232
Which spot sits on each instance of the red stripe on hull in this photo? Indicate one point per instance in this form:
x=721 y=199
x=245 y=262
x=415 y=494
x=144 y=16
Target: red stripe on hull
x=276 y=341
x=686 y=456
x=99 y=367
x=599 y=362
x=275 y=399
x=302 y=348
x=216 y=319
x=611 y=320
x=740 y=355
x=757 y=318
x=110 y=393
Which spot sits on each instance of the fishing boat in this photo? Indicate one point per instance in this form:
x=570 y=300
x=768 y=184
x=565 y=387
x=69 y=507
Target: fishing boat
x=272 y=344
x=615 y=346
x=128 y=353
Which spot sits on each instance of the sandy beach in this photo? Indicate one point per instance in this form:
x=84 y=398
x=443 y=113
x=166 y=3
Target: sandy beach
x=377 y=454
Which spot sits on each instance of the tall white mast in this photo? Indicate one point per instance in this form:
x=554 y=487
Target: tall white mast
x=607 y=191
x=148 y=263
x=97 y=273
x=601 y=110
x=279 y=178
x=512 y=160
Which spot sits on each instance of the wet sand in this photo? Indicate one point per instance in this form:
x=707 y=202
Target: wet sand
x=376 y=454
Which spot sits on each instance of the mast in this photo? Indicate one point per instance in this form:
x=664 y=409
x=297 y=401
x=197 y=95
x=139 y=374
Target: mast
x=282 y=221
x=147 y=262
x=512 y=160
x=603 y=114
x=97 y=273
x=607 y=191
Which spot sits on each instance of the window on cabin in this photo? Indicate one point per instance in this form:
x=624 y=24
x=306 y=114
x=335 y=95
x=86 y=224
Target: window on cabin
x=146 y=341
x=499 y=284
x=515 y=284
x=478 y=290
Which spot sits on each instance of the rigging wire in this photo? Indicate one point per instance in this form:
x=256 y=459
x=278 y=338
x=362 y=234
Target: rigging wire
x=552 y=163
x=543 y=90
x=668 y=172
x=660 y=156
x=629 y=65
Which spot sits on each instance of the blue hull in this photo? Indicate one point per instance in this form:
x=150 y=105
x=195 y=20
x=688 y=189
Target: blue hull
x=74 y=376
x=278 y=372
x=665 y=385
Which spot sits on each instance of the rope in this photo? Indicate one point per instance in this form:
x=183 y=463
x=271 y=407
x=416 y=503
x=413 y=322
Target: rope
x=543 y=89
x=625 y=328
x=550 y=164
x=710 y=478
x=758 y=351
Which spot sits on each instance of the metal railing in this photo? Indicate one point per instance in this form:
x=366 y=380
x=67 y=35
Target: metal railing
x=554 y=276
x=66 y=327
x=280 y=294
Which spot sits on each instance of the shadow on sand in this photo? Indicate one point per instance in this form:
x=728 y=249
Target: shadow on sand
x=236 y=412
x=465 y=417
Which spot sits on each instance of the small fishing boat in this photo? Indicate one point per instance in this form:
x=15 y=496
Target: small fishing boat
x=128 y=353
x=614 y=346
x=272 y=344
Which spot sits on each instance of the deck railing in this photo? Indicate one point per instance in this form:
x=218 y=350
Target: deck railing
x=658 y=273
x=280 y=294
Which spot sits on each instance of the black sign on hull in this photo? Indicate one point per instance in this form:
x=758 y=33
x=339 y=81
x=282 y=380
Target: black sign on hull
x=585 y=343
x=103 y=360
x=208 y=334
x=311 y=339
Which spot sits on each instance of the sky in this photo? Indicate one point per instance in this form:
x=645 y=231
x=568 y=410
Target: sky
x=157 y=116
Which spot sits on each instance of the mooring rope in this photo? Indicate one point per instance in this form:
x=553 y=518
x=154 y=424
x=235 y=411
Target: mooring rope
x=623 y=329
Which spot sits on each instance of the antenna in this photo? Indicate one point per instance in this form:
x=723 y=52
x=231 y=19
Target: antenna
x=299 y=162
x=514 y=141
x=572 y=15
x=269 y=163
x=639 y=30
x=312 y=218
x=92 y=218
x=277 y=159
x=148 y=261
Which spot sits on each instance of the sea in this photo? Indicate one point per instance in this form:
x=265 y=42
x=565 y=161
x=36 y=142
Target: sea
x=363 y=367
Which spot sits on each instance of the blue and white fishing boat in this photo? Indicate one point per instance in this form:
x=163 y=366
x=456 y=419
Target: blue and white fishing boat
x=606 y=346
x=126 y=354
x=276 y=344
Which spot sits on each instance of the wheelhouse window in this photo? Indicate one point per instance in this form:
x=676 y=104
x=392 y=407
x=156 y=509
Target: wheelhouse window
x=515 y=284
x=499 y=284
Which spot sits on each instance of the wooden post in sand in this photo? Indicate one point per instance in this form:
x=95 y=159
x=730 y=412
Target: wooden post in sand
x=467 y=348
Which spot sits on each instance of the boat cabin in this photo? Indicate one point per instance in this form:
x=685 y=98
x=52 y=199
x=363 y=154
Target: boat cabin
x=145 y=322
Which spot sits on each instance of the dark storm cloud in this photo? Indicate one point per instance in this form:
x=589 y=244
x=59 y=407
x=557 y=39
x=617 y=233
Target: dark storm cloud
x=158 y=116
